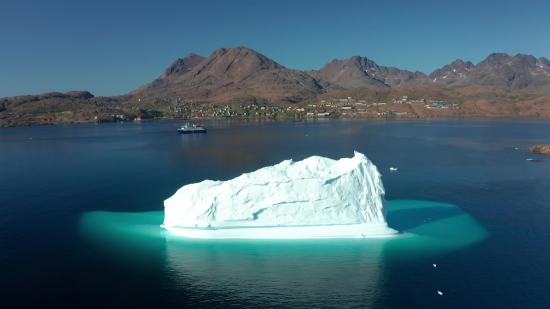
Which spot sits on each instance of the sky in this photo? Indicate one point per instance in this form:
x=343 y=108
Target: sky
x=113 y=47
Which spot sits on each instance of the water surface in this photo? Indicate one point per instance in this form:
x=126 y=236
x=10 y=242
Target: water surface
x=53 y=177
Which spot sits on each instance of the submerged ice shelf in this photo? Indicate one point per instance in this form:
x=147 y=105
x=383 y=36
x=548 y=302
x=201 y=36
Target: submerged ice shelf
x=315 y=197
x=287 y=232
x=298 y=266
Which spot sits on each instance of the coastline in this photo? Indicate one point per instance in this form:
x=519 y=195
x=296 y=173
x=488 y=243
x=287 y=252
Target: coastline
x=541 y=149
x=282 y=119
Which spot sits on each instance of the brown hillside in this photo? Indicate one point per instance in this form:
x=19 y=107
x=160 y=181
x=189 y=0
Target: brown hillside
x=236 y=74
x=474 y=101
x=182 y=66
x=362 y=72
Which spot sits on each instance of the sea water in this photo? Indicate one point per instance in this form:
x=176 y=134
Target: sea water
x=80 y=209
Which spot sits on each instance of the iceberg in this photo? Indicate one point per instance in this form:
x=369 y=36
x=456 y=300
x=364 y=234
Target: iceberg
x=314 y=198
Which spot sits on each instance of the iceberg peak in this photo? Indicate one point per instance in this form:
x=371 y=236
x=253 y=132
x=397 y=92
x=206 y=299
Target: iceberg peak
x=288 y=198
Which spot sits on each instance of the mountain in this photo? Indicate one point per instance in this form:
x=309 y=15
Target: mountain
x=518 y=72
x=499 y=69
x=362 y=72
x=234 y=74
x=451 y=73
x=178 y=68
x=182 y=66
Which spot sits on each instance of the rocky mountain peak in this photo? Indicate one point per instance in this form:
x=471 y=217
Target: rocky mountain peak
x=182 y=66
x=360 y=71
x=498 y=57
x=543 y=63
x=526 y=60
x=237 y=74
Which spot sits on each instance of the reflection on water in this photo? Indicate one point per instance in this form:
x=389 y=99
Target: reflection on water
x=224 y=154
x=301 y=273
x=246 y=146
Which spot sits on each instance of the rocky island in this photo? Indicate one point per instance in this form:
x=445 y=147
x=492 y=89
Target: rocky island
x=543 y=149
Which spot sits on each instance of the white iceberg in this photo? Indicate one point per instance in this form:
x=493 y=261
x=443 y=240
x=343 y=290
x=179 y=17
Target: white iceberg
x=316 y=197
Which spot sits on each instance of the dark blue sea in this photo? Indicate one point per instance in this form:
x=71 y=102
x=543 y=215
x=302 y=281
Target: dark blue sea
x=81 y=206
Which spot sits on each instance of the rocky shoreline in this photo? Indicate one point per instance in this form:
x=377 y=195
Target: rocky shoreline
x=542 y=149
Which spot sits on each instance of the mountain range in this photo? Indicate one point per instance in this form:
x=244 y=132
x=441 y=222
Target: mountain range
x=499 y=69
x=233 y=74
x=241 y=74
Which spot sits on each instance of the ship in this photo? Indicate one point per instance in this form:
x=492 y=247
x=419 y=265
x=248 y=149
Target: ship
x=196 y=128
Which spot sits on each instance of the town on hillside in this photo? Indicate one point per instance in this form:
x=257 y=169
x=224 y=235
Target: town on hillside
x=351 y=106
x=94 y=110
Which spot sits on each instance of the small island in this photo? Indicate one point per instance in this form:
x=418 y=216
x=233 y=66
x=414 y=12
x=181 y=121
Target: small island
x=543 y=149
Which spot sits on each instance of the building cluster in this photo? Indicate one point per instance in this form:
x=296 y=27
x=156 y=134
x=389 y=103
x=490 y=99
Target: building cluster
x=120 y=117
x=351 y=105
x=201 y=110
x=160 y=101
x=440 y=104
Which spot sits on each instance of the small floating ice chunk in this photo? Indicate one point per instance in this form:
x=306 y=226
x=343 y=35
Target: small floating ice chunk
x=439 y=292
x=393 y=169
x=529 y=159
x=435 y=265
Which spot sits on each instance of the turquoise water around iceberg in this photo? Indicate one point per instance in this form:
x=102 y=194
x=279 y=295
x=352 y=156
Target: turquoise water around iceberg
x=425 y=226
x=289 y=267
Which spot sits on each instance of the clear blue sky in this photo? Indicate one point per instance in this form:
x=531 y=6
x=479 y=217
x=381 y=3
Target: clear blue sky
x=112 y=47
